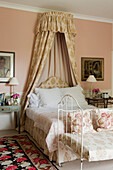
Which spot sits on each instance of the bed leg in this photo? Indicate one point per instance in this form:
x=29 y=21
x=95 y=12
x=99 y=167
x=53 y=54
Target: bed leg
x=59 y=164
x=81 y=164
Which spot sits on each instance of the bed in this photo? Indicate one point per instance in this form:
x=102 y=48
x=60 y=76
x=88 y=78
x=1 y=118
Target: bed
x=51 y=129
x=41 y=123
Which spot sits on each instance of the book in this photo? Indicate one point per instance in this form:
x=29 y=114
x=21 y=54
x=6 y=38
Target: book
x=2 y=99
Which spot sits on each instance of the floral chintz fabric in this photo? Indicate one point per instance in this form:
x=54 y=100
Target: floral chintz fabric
x=75 y=119
x=97 y=146
x=104 y=118
x=40 y=137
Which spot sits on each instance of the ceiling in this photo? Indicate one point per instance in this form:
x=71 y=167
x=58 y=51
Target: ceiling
x=101 y=10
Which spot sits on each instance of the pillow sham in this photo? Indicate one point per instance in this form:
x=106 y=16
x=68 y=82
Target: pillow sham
x=49 y=97
x=104 y=118
x=75 y=122
x=77 y=94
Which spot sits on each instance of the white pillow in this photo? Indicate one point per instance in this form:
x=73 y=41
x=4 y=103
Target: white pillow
x=49 y=97
x=33 y=100
x=76 y=93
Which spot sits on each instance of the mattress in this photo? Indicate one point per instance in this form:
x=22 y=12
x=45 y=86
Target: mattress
x=96 y=146
x=32 y=113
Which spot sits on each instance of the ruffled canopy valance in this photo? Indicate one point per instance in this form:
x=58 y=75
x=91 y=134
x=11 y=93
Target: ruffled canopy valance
x=56 y=22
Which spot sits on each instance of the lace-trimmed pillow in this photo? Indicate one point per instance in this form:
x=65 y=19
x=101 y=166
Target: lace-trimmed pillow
x=76 y=92
x=49 y=97
x=33 y=100
x=104 y=119
x=75 y=119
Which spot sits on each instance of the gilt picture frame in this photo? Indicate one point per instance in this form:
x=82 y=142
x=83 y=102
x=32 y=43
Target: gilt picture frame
x=7 y=66
x=92 y=66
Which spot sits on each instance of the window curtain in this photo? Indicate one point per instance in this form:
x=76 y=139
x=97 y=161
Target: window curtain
x=49 y=24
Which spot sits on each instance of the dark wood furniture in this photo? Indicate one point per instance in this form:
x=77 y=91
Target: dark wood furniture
x=100 y=102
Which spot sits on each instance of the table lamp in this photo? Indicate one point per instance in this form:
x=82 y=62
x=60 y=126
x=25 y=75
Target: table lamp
x=91 y=79
x=13 y=82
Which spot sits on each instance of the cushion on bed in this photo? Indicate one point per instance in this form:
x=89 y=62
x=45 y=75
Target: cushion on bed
x=33 y=100
x=49 y=97
x=76 y=92
x=75 y=119
x=104 y=119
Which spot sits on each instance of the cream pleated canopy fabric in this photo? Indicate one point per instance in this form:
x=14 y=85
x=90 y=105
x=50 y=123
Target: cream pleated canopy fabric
x=49 y=24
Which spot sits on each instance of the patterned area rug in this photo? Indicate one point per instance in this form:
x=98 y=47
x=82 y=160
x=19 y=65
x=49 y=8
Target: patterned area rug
x=19 y=152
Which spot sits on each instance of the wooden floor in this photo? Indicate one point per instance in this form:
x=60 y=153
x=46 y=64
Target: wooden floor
x=74 y=165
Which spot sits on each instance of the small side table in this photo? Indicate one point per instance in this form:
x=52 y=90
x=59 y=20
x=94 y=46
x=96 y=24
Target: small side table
x=12 y=108
x=100 y=101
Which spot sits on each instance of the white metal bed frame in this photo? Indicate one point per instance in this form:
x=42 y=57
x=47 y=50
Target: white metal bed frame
x=65 y=106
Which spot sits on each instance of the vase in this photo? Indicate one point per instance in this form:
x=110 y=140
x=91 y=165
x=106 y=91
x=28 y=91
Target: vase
x=15 y=102
x=96 y=95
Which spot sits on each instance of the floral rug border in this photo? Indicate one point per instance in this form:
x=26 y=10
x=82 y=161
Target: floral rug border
x=25 y=145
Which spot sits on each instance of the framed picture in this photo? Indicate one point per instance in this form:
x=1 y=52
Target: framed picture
x=94 y=66
x=7 y=66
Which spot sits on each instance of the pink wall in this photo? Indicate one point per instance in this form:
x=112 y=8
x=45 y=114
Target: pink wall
x=17 y=35
x=112 y=37
x=17 y=28
x=94 y=39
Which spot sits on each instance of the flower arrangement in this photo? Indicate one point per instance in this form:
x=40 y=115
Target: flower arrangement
x=15 y=98
x=96 y=91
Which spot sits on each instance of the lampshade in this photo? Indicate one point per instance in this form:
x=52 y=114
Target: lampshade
x=91 y=78
x=13 y=81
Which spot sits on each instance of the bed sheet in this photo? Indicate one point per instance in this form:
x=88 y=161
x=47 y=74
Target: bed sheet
x=97 y=146
x=47 y=120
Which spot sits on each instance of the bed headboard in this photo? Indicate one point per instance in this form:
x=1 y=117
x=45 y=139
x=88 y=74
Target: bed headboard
x=53 y=82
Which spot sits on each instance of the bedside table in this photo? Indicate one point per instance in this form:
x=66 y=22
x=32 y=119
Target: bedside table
x=100 y=101
x=12 y=108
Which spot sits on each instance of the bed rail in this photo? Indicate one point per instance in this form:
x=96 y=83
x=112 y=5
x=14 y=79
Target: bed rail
x=66 y=106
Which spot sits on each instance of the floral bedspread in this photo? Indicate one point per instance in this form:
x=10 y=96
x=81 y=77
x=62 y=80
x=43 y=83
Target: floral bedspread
x=96 y=146
x=48 y=122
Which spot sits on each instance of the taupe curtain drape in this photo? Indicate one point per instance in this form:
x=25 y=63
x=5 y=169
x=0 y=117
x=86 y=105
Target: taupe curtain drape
x=49 y=24
x=58 y=63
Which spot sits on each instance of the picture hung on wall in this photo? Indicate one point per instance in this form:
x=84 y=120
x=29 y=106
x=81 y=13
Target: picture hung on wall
x=7 y=66
x=92 y=66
